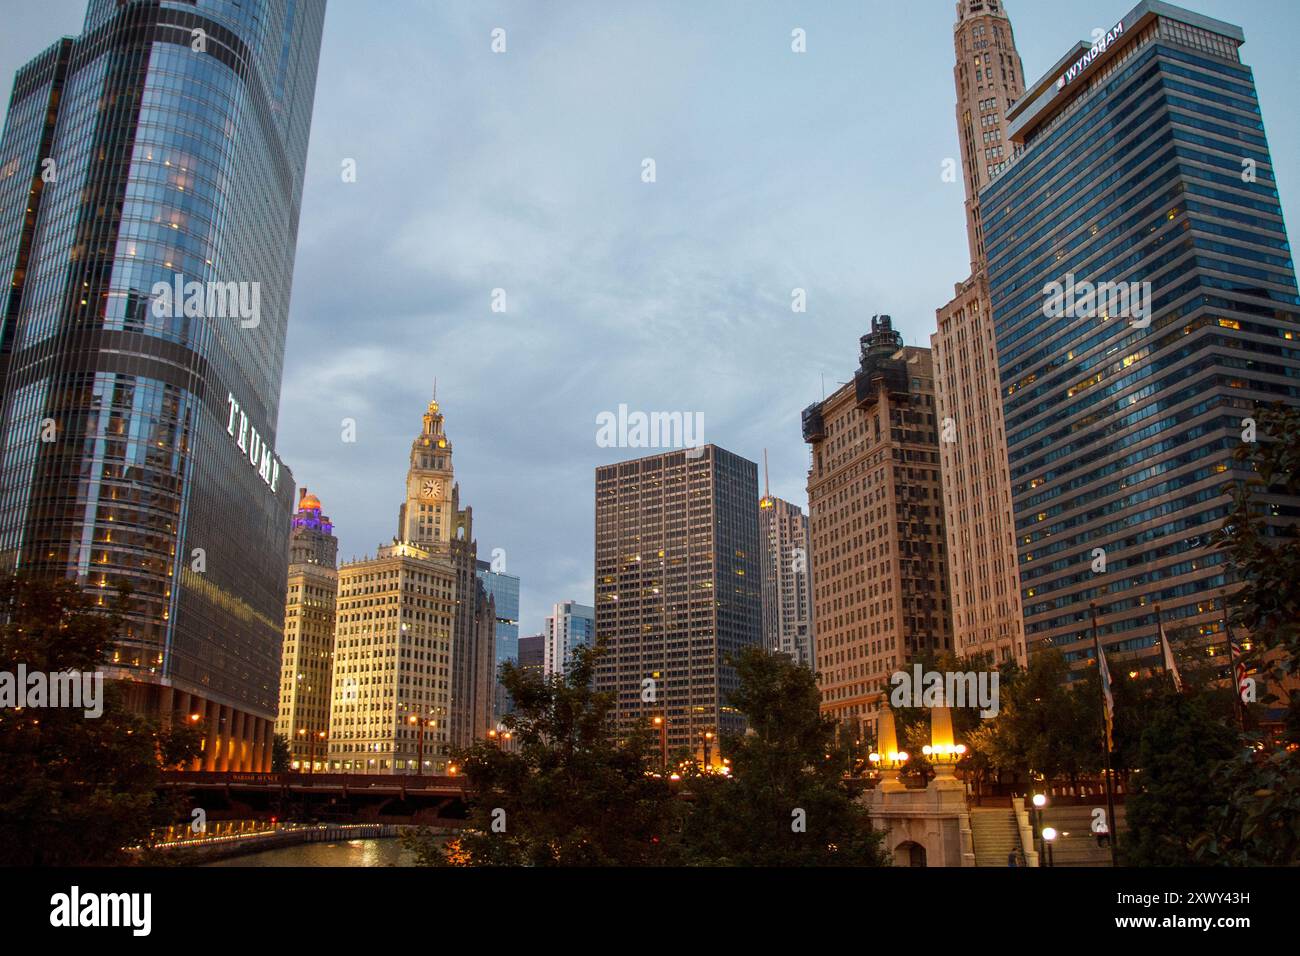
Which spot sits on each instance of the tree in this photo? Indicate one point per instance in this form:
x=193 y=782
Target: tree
x=570 y=794
x=1044 y=727
x=281 y=754
x=1256 y=824
x=74 y=789
x=1267 y=558
x=1182 y=741
x=785 y=802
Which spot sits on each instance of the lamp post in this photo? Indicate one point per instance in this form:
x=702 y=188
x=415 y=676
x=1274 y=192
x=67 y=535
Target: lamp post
x=708 y=741
x=662 y=723
x=1039 y=801
x=1049 y=834
x=302 y=737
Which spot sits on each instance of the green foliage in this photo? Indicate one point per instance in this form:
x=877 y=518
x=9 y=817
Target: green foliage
x=1257 y=822
x=1043 y=727
x=74 y=790
x=568 y=794
x=1182 y=741
x=1268 y=603
x=785 y=803
x=281 y=754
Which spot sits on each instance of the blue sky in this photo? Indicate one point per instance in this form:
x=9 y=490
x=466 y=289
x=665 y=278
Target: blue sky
x=522 y=171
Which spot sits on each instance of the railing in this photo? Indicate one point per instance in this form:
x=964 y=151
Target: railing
x=261 y=833
x=336 y=781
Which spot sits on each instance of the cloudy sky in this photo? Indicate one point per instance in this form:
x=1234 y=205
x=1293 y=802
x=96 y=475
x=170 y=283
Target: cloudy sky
x=522 y=171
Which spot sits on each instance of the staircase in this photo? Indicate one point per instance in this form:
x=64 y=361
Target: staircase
x=995 y=834
x=1076 y=845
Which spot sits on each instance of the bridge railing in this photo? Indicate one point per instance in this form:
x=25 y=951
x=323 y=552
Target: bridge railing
x=324 y=781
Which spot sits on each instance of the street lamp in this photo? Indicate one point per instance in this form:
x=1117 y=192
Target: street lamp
x=1039 y=801
x=708 y=741
x=1049 y=834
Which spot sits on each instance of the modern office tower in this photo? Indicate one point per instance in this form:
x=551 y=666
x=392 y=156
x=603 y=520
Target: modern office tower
x=983 y=583
x=677 y=590
x=787 y=590
x=880 y=586
x=532 y=654
x=504 y=591
x=307 y=660
x=1142 y=159
x=137 y=429
x=569 y=626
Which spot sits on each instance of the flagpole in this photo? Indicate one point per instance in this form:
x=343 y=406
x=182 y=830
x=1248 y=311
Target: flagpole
x=1238 y=707
x=1111 y=822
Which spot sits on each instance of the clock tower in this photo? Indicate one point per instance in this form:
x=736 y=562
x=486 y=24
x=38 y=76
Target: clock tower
x=428 y=516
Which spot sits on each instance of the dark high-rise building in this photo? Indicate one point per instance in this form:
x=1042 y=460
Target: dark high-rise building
x=150 y=179
x=678 y=589
x=879 y=581
x=532 y=654
x=1145 y=305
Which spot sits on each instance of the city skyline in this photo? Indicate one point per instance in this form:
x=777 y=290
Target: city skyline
x=658 y=348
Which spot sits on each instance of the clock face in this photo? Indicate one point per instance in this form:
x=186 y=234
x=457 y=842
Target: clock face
x=430 y=488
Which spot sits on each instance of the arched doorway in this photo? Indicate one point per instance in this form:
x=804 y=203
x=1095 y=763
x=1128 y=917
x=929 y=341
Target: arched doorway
x=909 y=853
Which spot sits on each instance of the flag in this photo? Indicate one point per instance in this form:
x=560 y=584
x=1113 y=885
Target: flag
x=1170 y=664
x=1103 y=671
x=1242 y=685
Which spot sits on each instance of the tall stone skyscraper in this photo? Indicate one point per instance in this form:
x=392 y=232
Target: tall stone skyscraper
x=787 y=590
x=307 y=660
x=677 y=590
x=983 y=580
x=1145 y=307
x=415 y=631
x=161 y=149
x=880 y=585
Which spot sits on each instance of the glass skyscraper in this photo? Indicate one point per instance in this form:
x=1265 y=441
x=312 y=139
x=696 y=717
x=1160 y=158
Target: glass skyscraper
x=162 y=149
x=504 y=590
x=1140 y=159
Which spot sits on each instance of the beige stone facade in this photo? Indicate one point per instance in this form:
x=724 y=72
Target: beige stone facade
x=879 y=575
x=984 y=582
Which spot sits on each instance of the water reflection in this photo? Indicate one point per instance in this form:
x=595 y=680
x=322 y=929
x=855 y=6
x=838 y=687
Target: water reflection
x=384 y=852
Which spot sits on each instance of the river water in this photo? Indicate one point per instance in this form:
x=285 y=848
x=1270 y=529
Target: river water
x=384 y=852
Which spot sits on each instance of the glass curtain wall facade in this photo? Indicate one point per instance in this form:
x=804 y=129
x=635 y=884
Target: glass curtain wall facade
x=164 y=145
x=1148 y=163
